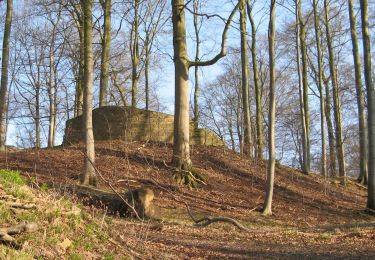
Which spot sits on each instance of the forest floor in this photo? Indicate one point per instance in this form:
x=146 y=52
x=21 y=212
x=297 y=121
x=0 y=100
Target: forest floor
x=312 y=217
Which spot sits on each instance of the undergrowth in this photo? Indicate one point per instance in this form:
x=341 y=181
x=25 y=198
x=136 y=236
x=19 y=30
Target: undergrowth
x=66 y=228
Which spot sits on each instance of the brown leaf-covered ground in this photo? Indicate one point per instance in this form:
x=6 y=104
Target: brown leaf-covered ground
x=313 y=218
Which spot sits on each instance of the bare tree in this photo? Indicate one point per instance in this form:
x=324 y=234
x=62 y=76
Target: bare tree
x=267 y=208
x=4 y=73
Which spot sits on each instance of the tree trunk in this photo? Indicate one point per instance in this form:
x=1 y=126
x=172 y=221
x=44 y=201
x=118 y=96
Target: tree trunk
x=81 y=71
x=371 y=104
x=181 y=149
x=245 y=80
x=336 y=99
x=258 y=91
x=134 y=49
x=267 y=208
x=331 y=134
x=52 y=92
x=89 y=174
x=147 y=65
x=321 y=90
x=4 y=74
x=196 y=68
x=305 y=90
x=106 y=45
x=301 y=89
x=360 y=97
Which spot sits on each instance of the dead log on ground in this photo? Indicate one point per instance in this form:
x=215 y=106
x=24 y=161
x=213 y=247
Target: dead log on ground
x=139 y=200
x=6 y=234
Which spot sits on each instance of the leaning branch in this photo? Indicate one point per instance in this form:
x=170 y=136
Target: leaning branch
x=223 y=50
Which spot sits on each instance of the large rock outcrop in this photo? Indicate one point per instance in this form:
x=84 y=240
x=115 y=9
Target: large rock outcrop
x=113 y=122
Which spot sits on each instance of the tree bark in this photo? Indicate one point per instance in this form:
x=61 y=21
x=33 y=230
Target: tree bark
x=181 y=149
x=245 y=80
x=4 y=73
x=301 y=89
x=89 y=175
x=360 y=97
x=258 y=90
x=106 y=45
x=321 y=90
x=371 y=104
x=267 y=208
x=336 y=99
x=196 y=68
x=134 y=49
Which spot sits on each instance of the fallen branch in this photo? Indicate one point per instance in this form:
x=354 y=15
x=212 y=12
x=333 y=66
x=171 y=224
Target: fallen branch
x=18 y=205
x=6 y=234
x=206 y=220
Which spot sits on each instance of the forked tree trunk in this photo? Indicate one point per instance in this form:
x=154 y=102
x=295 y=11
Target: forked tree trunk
x=336 y=99
x=321 y=90
x=4 y=74
x=181 y=150
x=371 y=104
x=267 y=208
x=258 y=90
x=245 y=80
x=360 y=97
x=89 y=174
x=106 y=45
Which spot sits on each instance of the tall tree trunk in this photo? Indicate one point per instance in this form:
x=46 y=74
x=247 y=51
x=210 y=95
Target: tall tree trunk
x=331 y=132
x=305 y=90
x=4 y=74
x=321 y=90
x=134 y=49
x=196 y=68
x=301 y=89
x=89 y=174
x=245 y=80
x=147 y=65
x=52 y=95
x=181 y=148
x=267 y=208
x=360 y=97
x=106 y=45
x=371 y=104
x=336 y=100
x=81 y=72
x=258 y=91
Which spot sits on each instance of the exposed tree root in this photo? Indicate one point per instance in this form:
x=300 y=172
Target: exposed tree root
x=6 y=234
x=190 y=178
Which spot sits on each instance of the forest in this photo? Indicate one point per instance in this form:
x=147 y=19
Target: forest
x=182 y=120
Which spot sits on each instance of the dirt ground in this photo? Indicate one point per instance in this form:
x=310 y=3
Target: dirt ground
x=313 y=218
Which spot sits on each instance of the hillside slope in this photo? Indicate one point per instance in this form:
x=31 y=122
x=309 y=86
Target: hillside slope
x=312 y=217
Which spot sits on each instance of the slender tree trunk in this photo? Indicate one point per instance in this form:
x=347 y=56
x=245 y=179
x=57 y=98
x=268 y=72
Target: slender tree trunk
x=52 y=95
x=371 y=104
x=336 y=99
x=181 y=149
x=267 y=208
x=245 y=80
x=147 y=65
x=4 y=74
x=106 y=45
x=301 y=89
x=258 y=91
x=305 y=90
x=196 y=68
x=135 y=54
x=37 y=112
x=89 y=174
x=331 y=132
x=360 y=97
x=81 y=71
x=321 y=90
